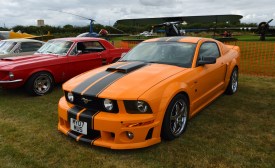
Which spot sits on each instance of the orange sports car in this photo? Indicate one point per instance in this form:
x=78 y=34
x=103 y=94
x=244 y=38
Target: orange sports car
x=149 y=94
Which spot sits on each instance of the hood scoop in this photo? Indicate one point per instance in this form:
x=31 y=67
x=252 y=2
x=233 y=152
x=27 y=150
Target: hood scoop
x=127 y=67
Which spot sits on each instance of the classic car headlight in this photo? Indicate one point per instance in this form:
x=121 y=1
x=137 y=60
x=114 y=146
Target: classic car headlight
x=108 y=104
x=137 y=107
x=70 y=97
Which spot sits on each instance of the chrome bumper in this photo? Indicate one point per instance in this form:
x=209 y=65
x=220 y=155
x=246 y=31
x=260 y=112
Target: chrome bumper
x=13 y=81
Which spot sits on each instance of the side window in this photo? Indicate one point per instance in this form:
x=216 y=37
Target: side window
x=74 y=51
x=30 y=46
x=89 y=47
x=209 y=49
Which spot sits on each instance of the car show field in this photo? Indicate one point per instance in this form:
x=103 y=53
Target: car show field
x=231 y=132
x=138 y=84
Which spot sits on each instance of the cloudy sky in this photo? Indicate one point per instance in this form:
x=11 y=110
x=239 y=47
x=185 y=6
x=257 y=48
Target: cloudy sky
x=106 y=12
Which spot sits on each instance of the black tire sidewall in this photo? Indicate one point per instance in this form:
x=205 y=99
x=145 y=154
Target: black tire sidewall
x=229 y=90
x=166 y=130
x=30 y=83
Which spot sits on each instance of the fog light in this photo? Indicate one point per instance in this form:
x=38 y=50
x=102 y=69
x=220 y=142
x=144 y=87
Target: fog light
x=11 y=75
x=70 y=97
x=108 y=104
x=130 y=135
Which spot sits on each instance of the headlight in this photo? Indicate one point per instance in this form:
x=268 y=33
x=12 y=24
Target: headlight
x=142 y=106
x=137 y=107
x=108 y=104
x=70 y=97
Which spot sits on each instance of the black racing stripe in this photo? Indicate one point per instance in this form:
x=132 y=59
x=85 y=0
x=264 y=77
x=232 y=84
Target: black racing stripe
x=90 y=138
x=73 y=134
x=102 y=84
x=119 y=64
x=105 y=82
x=87 y=116
x=83 y=85
x=85 y=139
x=128 y=67
x=131 y=67
x=72 y=112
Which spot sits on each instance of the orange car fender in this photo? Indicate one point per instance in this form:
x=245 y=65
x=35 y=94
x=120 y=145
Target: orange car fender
x=232 y=64
x=159 y=98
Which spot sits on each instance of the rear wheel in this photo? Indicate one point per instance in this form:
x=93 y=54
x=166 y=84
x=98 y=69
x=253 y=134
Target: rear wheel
x=175 y=118
x=233 y=83
x=40 y=83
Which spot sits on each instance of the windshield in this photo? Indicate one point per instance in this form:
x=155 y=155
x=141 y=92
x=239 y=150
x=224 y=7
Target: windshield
x=56 y=47
x=172 y=53
x=6 y=46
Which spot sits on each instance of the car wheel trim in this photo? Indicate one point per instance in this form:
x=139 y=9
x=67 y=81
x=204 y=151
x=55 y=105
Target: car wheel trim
x=178 y=117
x=42 y=84
x=234 y=79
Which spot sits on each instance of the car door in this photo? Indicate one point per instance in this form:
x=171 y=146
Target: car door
x=209 y=78
x=85 y=56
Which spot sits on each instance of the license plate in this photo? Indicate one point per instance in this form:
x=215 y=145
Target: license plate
x=78 y=126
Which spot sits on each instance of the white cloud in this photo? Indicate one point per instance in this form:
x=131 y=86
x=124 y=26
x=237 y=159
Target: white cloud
x=17 y=12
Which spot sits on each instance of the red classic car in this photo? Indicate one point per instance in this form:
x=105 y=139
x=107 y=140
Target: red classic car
x=56 y=61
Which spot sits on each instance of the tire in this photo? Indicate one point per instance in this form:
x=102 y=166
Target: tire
x=40 y=83
x=233 y=83
x=175 y=118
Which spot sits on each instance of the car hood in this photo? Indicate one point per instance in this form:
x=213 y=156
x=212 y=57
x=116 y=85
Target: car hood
x=121 y=80
x=12 y=62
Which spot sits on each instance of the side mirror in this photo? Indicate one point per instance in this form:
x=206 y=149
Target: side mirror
x=79 y=52
x=207 y=60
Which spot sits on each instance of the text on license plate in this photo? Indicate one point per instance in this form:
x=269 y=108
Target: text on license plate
x=79 y=126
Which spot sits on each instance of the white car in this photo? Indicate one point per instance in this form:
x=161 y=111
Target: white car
x=19 y=47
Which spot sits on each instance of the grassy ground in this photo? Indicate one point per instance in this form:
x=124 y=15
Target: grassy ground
x=234 y=131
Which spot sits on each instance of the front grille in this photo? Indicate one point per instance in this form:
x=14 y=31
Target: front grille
x=92 y=103
x=3 y=74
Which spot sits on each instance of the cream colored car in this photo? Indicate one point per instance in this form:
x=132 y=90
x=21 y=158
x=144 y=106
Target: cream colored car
x=19 y=47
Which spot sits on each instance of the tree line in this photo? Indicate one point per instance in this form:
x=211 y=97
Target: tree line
x=70 y=30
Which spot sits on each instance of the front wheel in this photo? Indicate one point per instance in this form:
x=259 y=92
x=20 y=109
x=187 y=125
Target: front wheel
x=175 y=118
x=233 y=83
x=39 y=84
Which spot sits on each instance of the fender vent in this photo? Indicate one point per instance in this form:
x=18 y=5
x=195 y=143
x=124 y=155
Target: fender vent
x=149 y=134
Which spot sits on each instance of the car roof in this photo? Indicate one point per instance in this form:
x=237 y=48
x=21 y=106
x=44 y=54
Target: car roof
x=183 y=39
x=76 y=39
x=22 y=40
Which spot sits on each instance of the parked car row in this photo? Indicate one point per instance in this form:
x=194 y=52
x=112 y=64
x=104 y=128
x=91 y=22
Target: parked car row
x=56 y=61
x=147 y=95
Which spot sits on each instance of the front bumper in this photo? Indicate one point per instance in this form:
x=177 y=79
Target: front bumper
x=11 y=83
x=109 y=129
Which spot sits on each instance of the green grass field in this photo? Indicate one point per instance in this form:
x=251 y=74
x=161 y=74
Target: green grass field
x=234 y=131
